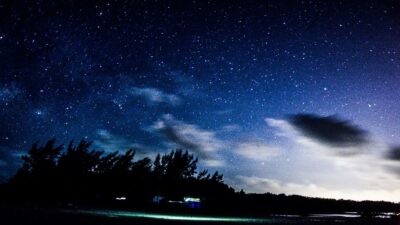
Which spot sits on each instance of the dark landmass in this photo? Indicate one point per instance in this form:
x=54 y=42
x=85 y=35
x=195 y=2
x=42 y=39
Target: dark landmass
x=53 y=179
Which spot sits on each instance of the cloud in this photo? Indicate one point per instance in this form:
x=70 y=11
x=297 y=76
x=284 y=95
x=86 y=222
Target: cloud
x=9 y=92
x=231 y=128
x=289 y=130
x=187 y=86
x=10 y=161
x=394 y=153
x=284 y=128
x=107 y=141
x=257 y=150
x=329 y=130
x=203 y=143
x=223 y=111
x=263 y=185
x=325 y=169
x=155 y=96
x=393 y=156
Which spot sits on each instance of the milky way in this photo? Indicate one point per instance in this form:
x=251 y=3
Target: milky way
x=223 y=79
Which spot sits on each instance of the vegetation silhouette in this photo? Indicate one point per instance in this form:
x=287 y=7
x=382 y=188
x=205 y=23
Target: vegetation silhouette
x=79 y=175
x=82 y=175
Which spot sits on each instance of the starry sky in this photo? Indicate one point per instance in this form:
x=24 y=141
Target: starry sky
x=295 y=97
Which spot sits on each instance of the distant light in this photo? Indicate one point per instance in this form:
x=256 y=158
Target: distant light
x=190 y=199
x=172 y=201
x=122 y=198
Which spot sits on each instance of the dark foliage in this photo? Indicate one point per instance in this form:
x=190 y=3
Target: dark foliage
x=81 y=175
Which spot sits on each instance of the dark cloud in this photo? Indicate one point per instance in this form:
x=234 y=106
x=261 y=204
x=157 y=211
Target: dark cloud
x=329 y=130
x=202 y=142
x=173 y=135
x=394 y=153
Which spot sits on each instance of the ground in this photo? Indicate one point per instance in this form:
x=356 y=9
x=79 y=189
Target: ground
x=44 y=216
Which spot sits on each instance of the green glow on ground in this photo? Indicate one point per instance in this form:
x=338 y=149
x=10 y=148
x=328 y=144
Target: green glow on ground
x=174 y=217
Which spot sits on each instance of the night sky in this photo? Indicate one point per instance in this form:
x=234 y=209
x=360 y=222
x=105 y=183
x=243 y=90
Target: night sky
x=295 y=97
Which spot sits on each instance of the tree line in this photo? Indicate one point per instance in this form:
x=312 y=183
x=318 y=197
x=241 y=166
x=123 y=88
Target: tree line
x=79 y=174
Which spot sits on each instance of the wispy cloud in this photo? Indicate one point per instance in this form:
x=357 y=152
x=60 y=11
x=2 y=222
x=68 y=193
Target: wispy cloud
x=331 y=167
x=223 y=111
x=107 y=141
x=10 y=161
x=203 y=143
x=187 y=86
x=231 y=128
x=8 y=92
x=256 y=150
x=263 y=185
x=155 y=96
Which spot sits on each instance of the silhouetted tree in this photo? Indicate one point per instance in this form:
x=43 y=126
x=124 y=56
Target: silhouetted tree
x=158 y=167
x=76 y=171
x=39 y=171
x=203 y=175
x=41 y=160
